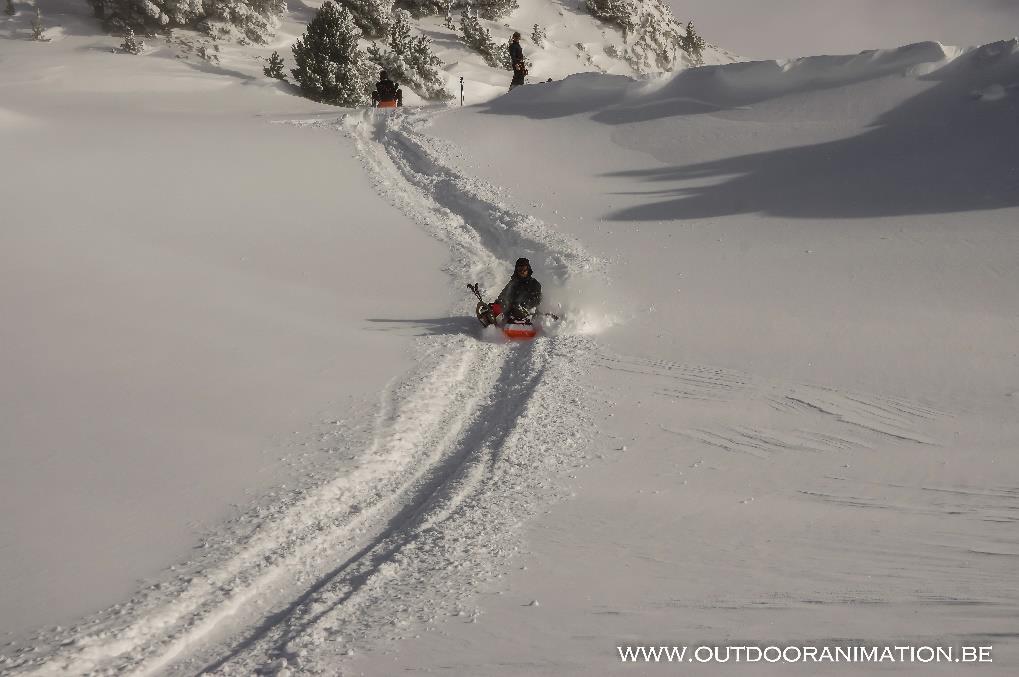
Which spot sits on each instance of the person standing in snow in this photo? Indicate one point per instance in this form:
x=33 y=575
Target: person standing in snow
x=522 y=295
x=386 y=90
x=517 y=58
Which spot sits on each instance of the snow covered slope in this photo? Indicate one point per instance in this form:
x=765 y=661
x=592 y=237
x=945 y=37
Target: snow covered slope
x=178 y=301
x=782 y=403
x=809 y=410
x=577 y=42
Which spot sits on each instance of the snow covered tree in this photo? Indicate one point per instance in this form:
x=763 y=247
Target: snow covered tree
x=255 y=20
x=37 y=28
x=486 y=9
x=619 y=12
x=371 y=16
x=330 y=67
x=693 y=44
x=653 y=40
x=477 y=37
x=275 y=67
x=399 y=32
x=495 y=9
x=9 y=9
x=448 y=23
x=208 y=52
x=131 y=44
x=538 y=36
x=409 y=60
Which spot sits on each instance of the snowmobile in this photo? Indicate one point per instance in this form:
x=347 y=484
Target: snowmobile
x=387 y=93
x=517 y=327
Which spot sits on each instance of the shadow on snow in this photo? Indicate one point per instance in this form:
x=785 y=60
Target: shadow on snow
x=945 y=150
x=439 y=326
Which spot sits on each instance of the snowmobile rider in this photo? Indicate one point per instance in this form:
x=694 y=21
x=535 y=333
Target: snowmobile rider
x=521 y=297
x=386 y=90
x=517 y=58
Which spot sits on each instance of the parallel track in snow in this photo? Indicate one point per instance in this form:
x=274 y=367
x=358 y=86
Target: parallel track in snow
x=465 y=447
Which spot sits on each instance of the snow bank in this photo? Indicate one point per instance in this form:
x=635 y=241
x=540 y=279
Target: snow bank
x=782 y=77
x=711 y=88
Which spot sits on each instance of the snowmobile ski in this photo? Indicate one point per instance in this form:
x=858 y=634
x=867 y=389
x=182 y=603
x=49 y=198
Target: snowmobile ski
x=519 y=331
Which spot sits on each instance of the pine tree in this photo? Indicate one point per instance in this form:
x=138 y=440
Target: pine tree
x=693 y=44
x=479 y=38
x=255 y=20
x=653 y=40
x=410 y=60
x=9 y=9
x=399 y=32
x=37 y=28
x=622 y=13
x=538 y=36
x=330 y=67
x=448 y=23
x=131 y=44
x=487 y=9
x=275 y=67
x=494 y=9
x=371 y=16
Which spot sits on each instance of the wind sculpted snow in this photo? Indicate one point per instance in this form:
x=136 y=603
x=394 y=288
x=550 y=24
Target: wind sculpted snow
x=938 y=151
x=910 y=135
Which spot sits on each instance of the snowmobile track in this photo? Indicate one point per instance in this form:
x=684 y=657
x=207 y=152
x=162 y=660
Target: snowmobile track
x=465 y=448
x=431 y=501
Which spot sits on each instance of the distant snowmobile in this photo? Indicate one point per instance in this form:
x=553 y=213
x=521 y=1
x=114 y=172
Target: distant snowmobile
x=387 y=94
x=515 y=307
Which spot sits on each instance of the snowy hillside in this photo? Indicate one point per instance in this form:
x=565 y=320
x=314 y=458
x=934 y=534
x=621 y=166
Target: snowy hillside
x=249 y=424
x=575 y=42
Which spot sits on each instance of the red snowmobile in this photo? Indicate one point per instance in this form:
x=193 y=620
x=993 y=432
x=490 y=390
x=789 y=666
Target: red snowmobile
x=513 y=327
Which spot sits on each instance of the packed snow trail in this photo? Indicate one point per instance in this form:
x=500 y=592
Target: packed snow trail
x=463 y=450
